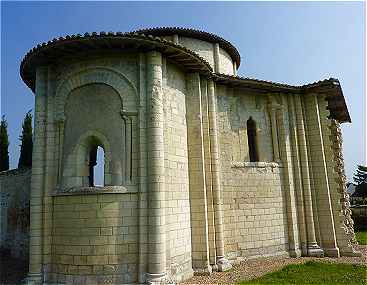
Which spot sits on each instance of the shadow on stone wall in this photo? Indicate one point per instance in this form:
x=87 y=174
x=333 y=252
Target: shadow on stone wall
x=14 y=212
x=12 y=270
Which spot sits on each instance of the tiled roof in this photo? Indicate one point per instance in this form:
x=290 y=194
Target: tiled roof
x=110 y=42
x=276 y=84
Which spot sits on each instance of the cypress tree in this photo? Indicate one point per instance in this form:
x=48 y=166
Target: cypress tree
x=4 y=145
x=25 y=159
x=360 y=178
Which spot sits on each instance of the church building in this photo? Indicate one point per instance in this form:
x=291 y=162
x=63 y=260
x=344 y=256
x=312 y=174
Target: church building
x=203 y=168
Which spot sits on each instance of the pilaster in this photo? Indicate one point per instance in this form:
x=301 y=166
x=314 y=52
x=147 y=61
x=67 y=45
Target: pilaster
x=285 y=155
x=216 y=57
x=273 y=107
x=175 y=39
x=197 y=183
x=313 y=248
x=222 y=263
x=234 y=68
x=208 y=171
x=297 y=177
x=38 y=179
x=143 y=172
x=50 y=166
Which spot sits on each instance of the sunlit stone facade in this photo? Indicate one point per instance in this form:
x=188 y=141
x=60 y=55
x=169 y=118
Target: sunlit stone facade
x=201 y=167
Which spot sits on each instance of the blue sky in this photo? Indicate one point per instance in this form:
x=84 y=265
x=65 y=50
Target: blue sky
x=290 y=42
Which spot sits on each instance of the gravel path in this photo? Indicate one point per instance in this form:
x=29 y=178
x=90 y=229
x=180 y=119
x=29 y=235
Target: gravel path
x=254 y=268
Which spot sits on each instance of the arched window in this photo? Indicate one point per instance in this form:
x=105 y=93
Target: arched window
x=96 y=166
x=252 y=140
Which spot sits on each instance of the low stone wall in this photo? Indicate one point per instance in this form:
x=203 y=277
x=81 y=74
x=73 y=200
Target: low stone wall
x=95 y=238
x=14 y=211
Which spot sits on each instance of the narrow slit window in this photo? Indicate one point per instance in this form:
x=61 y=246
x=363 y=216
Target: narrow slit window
x=96 y=166
x=252 y=140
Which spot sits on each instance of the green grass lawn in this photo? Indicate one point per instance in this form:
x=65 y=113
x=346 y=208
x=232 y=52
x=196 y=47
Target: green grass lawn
x=362 y=237
x=315 y=273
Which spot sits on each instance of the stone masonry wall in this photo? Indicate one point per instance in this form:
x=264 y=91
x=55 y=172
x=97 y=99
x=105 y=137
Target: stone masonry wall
x=127 y=64
x=95 y=238
x=178 y=229
x=14 y=211
x=225 y=62
x=234 y=109
x=206 y=51
x=254 y=206
x=203 y=48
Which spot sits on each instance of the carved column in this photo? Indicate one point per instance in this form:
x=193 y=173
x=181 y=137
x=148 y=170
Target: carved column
x=37 y=180
x=345 y=224
x=222 y=262
x=313 y=248
x=156 y=220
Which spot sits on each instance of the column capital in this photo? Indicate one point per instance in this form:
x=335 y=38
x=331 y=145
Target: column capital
x=154 y=57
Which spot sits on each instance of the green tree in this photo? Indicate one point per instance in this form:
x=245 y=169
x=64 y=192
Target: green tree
x=4 y=145
x=25 y=159
x=360 y=179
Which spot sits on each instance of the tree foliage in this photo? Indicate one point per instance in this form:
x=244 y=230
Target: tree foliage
x=360 y=179
x=4 y=145
x=25 y=159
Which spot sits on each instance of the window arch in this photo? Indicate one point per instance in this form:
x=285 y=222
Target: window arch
x=89 y=164
x=252 y=140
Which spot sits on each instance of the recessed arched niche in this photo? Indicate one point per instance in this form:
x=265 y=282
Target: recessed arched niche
x=93 y=119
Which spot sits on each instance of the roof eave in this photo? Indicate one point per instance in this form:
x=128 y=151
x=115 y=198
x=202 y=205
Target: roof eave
x=330 y=87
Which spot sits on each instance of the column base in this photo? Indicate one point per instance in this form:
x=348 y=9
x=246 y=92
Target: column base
x=315 y=251
x=295 y=253
x=157 y=278
x=223 y=264
x=332 y=252
x=33 y=279
x=203 y=271
x=303 y=250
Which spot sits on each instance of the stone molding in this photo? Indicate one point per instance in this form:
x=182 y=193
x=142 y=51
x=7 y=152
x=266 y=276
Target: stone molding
x=94 y=190
x=93 y=74
x=257 y=164
x=14 y=172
